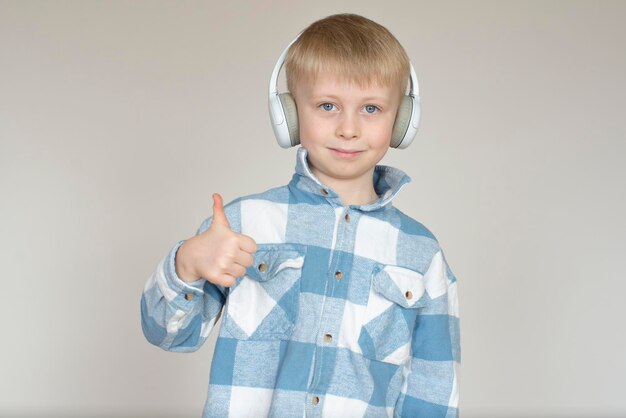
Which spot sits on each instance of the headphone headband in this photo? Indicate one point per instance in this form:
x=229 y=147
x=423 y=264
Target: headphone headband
x=279 y=65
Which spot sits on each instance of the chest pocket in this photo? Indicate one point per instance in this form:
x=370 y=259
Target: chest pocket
x=395 y=296
x=264 y=303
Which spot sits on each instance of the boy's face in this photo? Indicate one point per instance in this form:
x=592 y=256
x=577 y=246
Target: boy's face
x=337 y=116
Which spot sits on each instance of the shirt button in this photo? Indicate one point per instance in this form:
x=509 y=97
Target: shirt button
x=262 y=267
x=408 y=294
x=338 y=275
x=315 y=400
x=188 y=296
x=324 y=192
x=328 y=338
x=347 y=217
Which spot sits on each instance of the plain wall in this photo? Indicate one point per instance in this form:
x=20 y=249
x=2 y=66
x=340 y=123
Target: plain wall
x=119 y=119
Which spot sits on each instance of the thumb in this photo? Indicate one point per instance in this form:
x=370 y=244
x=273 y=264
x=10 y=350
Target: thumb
x=219 y=216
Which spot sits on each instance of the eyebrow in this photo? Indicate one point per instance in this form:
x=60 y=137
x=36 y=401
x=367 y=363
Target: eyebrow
x=366 y=99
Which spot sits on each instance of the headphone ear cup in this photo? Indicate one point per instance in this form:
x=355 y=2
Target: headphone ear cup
x=291 y=117
x=401 y=124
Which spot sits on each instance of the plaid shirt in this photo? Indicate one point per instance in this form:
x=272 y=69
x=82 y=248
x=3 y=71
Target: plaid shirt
x=348 y=311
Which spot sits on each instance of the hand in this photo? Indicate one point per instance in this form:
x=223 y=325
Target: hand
x=218 y=254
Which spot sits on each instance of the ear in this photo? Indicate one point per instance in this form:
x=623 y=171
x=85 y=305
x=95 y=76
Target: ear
x=291 y=116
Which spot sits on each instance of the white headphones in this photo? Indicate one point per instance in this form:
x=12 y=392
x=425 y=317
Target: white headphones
x=284 y=114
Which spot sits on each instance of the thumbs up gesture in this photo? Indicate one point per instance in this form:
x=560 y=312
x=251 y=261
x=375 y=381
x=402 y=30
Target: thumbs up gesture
x=218 y=254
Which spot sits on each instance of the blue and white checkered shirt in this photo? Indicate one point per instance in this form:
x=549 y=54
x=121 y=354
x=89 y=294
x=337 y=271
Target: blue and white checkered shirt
x=348 y=311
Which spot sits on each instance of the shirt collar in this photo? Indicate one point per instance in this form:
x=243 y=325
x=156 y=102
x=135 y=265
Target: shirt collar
x=387 y=183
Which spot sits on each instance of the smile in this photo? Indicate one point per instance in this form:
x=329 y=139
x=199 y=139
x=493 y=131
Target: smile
x=345 y=154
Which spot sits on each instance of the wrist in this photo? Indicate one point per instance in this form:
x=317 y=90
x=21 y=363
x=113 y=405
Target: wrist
x=182 y=265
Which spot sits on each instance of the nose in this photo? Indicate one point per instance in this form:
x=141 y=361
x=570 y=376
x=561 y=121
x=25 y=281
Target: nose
x=348 y=127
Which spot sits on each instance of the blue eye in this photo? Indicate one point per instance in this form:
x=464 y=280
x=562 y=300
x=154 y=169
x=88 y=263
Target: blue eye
x=327 y=106
x=371 y=108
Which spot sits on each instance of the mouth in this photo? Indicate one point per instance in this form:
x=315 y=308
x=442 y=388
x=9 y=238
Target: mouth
x=346 y=154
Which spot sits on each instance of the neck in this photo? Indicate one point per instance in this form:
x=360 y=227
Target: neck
x=351 y=191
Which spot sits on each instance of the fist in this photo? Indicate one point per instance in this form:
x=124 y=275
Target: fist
x=219 y=254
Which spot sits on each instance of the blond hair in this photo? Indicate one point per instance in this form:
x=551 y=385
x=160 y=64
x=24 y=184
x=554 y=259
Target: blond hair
x=353 y=48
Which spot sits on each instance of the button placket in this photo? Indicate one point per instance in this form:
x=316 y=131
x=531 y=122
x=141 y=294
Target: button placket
x=326 y=338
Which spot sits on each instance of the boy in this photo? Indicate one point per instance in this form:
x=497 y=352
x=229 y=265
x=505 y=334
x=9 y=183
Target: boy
x=335 y=303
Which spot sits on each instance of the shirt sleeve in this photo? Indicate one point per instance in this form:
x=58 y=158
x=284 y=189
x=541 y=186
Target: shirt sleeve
x=178 y=315
x=430 y=386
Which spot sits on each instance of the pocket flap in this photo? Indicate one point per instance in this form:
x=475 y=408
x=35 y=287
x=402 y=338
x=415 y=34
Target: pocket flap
x=400 y=285
x=270 y=259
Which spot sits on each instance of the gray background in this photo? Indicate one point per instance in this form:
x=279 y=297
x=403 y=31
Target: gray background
x=118 y=120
